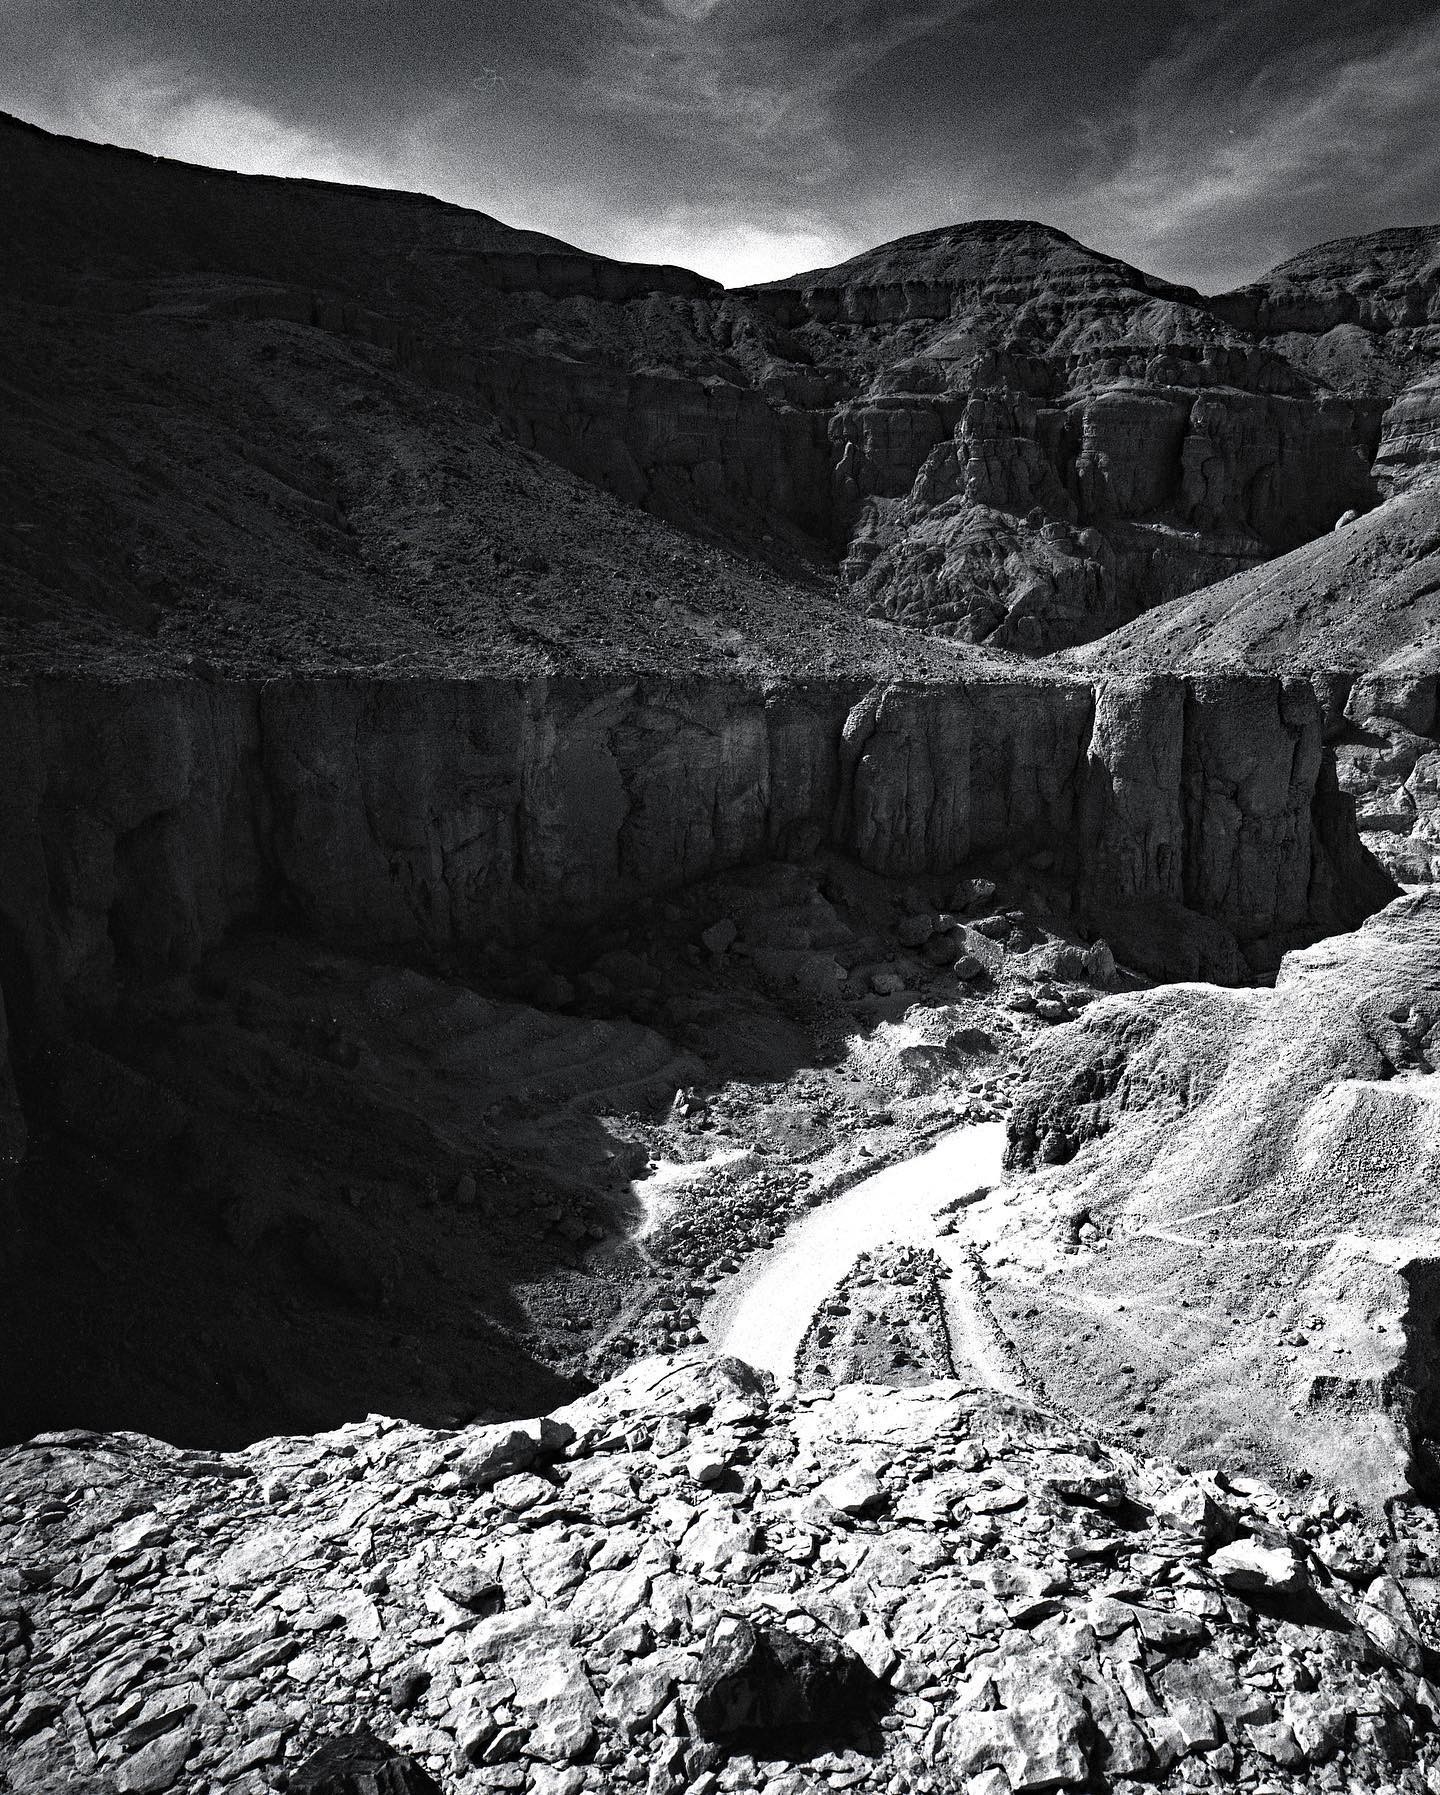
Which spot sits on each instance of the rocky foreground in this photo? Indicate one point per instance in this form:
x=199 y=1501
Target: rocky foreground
x=686 y=1582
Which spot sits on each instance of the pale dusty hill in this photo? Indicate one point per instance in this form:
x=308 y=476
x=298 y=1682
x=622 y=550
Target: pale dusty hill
x=1260 y=1277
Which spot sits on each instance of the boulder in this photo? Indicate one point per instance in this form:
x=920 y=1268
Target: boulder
x=505 y=1449
x=1198 y=1505
x=854 y=1491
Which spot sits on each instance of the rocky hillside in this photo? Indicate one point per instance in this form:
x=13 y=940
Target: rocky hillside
x=1358 y=314
x=1249 y=1182
x=214 y=458
x=684 y=1582
x=521 y=785
x=1363 y=600
x=997 y=434
x=1062 y=441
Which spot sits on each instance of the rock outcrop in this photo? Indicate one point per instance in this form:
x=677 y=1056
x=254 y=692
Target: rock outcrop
x=1358 y=612
x=1255 y=1174
x=1009 y=1602
x=1066 y=441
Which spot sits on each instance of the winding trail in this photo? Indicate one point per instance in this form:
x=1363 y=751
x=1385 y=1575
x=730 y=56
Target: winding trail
x=762 y=1313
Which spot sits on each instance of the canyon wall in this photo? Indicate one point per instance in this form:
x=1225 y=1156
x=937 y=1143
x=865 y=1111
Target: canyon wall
x=1198 y=820
x=1358 y=612
x=1387 y=753
x=1054 y=443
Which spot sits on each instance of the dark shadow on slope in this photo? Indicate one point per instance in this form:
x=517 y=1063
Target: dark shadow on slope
x=307 y=1187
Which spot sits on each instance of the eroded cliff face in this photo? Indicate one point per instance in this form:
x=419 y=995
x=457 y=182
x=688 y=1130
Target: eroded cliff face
x=1387 y=753
x=1200 y=820
x=1361 y=315
x=1358 y=612
x=1070 y=496
x=1036 y=442
x=998 y=435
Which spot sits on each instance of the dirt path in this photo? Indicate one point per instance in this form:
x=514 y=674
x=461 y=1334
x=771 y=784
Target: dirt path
x=761 y=1314
x=976 y=1341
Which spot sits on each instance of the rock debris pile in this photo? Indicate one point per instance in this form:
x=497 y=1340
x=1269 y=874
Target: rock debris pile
x=686 y=1582
x=885 y=1322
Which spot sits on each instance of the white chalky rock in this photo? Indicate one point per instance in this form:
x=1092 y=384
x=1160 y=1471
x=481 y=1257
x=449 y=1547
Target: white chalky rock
x=707 y=1462
x=1247 y=1564
x=852 y=1491
x=874 y=1650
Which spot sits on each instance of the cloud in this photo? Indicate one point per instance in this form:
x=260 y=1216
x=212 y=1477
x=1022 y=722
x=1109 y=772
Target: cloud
x=1226 y=167
x=749 y=85
x=750 y=138
x=159 y=109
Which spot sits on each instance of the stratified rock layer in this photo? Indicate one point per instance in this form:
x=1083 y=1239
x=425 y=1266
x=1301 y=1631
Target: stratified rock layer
x=1035 y=441
x=1002 y=435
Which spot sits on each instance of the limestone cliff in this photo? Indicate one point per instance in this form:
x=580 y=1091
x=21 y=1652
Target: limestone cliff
x=1358 y=612
x=142 y=820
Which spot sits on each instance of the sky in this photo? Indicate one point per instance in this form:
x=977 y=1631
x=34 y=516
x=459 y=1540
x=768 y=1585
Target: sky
x=749 y=139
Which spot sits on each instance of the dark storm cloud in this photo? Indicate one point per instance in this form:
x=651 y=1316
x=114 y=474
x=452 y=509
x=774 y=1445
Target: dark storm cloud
x=753 y=137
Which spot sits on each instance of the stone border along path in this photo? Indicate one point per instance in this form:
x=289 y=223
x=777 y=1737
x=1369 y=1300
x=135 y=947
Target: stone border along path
x=761 y=1314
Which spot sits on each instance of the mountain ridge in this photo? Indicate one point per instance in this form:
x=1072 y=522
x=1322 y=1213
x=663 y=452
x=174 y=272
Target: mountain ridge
x=1024 y=451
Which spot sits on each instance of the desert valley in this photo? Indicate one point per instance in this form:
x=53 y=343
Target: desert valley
x=720 y=1008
